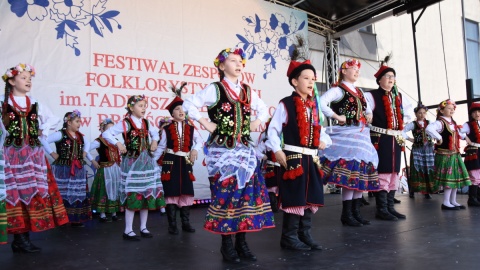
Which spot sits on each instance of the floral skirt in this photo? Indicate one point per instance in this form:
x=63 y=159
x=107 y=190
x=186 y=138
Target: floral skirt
x=351 y=174
x=450 y=171
x=43 y=213
x=233 y=210
x=3 y=223
x=79 y=212
x=100 y=200
x=136 y=201
x=420 y=181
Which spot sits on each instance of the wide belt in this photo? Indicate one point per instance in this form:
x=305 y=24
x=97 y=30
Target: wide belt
x=301 y=150
x=474 y=144
x=178 y=153
x=386 y=131
x=273 y=163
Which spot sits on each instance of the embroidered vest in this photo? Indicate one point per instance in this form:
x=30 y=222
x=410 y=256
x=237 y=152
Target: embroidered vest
x=450 y=139
x=352 y=107
x=232 y=119
x=420 y=137
x=107 y=153
x=136 y=138
x=22 y=129
x=380 y=113
x=473 y=125
x=69 y=149
x=179 y=142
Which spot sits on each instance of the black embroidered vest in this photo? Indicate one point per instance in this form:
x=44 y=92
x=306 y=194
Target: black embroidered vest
x=420 y=137
x=379 y=113
x=449 y=137
x=179 y=142
x=107 y=153
x=136 y=138
x=472 y=135
x=69 y=149
x=232 y=118
x=352 y=107
x=22 y=129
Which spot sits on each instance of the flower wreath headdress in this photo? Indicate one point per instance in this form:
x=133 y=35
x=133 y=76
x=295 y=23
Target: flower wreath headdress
x=13 y=71
x=105 y=122
x=135 y=99
x=72 y=115
x=446 y=102
x=224 y=54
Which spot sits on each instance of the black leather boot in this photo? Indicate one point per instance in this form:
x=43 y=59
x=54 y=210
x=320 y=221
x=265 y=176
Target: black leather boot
x=364 y=202
x=347 y=217
x=289 y=238
x=382 y=212
x=21 y=244
x=356 y=203
x=172 y=218
x=185 y=216
x=273 y=201
x=304 y=231
x=228 y=252
x=242 y=248
x=391 y=205
x=472 y=196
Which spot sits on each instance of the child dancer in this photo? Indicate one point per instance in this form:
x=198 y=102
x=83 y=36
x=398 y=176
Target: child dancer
x=69 y=169
x=422 y=157
x=140 y=189
x=301 y=188
x=273 y=171
x=239 y=199
x=33 y=201
x=351 y=161
x=472 y=158
x=178 y=148
x=106 y=184
x=450 y=171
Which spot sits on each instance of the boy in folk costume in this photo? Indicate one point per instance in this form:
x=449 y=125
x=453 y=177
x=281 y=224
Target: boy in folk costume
x=472 y=151
x=178 y=147
x=390 y=111
x=240 y=202
x=301 y=189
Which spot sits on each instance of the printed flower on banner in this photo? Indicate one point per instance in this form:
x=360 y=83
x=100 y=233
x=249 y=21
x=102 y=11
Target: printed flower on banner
x=69 y=15
x=72 y=7
x=270 y=39
x=35 y=9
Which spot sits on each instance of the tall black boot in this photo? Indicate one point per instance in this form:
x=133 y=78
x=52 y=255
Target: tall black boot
x=242 y=248
x=356 y=203
x=22 y=244
x=273 y=201
x=304 y=231
x=382 y=212
x=172 y=218
x=472 y=196
x=347 y=217
x=391 y=205
x=185 y=216
x=290 y=227
x=228 y=252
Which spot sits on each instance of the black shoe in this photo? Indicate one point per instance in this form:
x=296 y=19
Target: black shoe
x=370 y=194
x=130 y=237
x=347 y=218
x=228 y=251
x=104 y=220
x=22 y=244
x=411 y=195
x=146 y=234
x=461 y=207
x=364 y=202
x=242 y=248
x=444 y=207
x=396 y=201
x=77 y=225
x=116 y=218
x=428 y=196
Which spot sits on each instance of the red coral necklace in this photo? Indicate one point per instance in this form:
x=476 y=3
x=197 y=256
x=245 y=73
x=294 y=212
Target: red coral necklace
x=17 y=107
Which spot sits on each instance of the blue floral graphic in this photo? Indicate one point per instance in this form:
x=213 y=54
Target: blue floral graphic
x=270 y=39
x=69 y=15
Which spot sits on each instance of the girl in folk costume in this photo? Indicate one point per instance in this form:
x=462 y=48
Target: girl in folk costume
x=178 y=148
x=300 y=189
x=106 y=184
x=450 y=172
x=390 y=111
x=3 y=189
x=140 y=188
x=472 y=157
x=351 y=161
x=33 y=201
x=422 y=157
x=69 y=169
x=240 y=202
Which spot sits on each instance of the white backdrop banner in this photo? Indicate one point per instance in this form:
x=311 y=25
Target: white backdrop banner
x=91 y=55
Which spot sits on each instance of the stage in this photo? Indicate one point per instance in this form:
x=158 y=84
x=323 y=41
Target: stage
x=428 y=239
